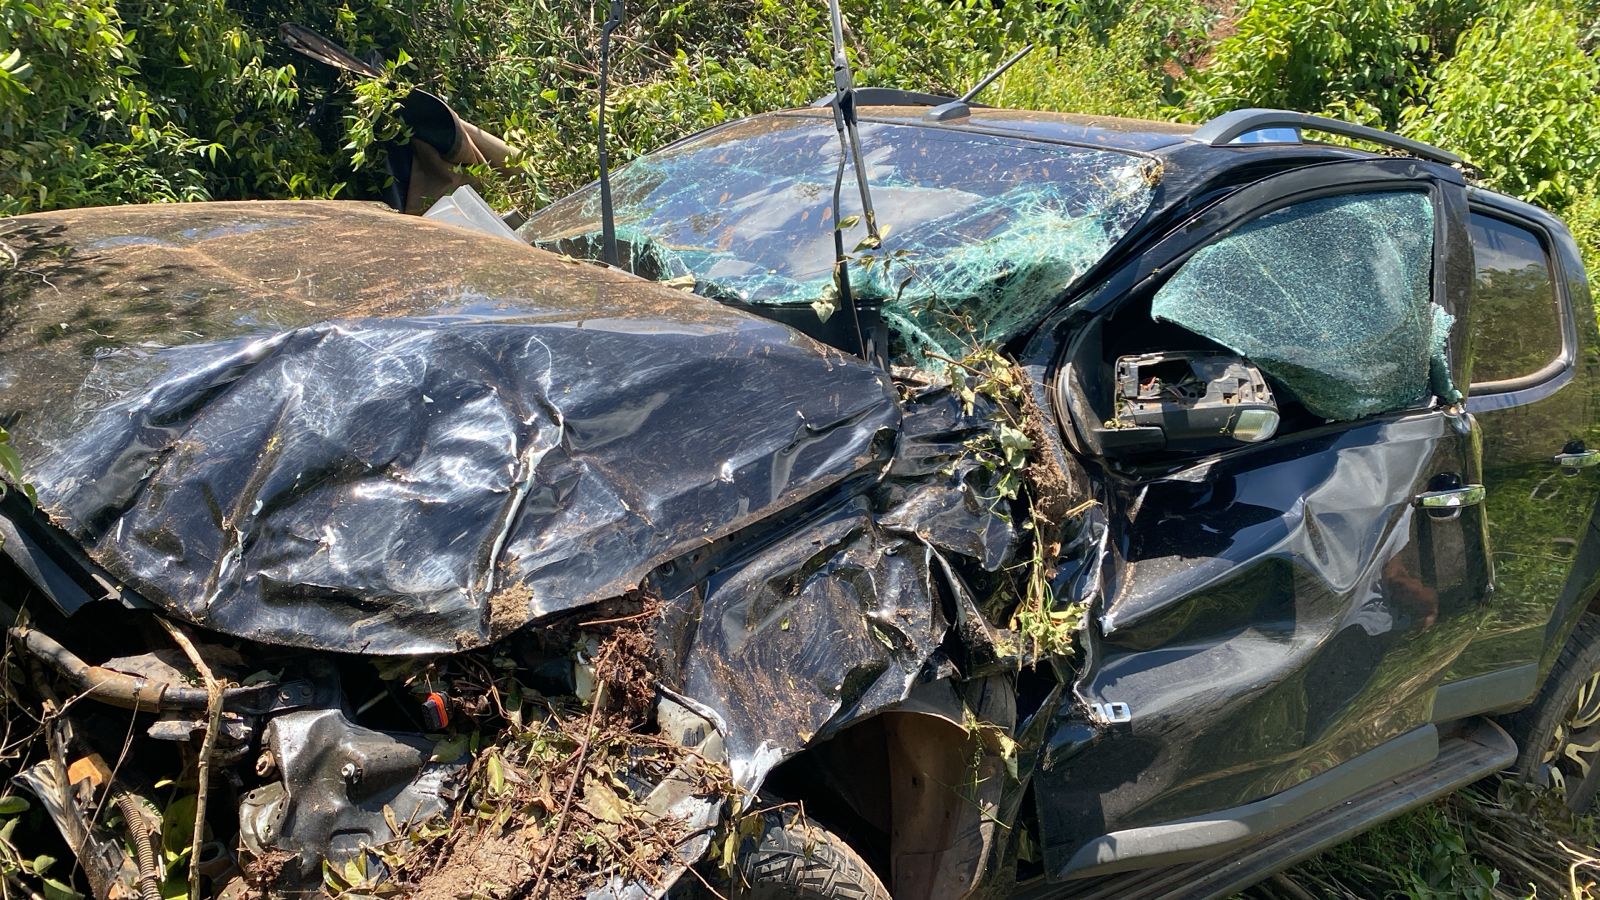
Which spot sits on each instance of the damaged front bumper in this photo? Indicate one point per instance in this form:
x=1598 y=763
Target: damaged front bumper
x=319 y=801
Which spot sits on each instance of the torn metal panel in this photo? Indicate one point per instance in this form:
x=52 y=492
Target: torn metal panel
x=846 y=613
x=936 y=489
x=832 y=623
x=416 y=440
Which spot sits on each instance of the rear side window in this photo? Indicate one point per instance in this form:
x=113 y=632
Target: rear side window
x=1516 y=313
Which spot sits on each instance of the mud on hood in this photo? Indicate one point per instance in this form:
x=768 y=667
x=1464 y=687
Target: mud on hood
x=325 y=425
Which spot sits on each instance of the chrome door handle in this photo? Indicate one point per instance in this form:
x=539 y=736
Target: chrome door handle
x=1452 y=498
x=1581 y=459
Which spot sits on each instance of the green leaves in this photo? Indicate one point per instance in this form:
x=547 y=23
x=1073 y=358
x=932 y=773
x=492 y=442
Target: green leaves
x=14 y=67
x=1360 y=55
x=828 y=304
x=11 y=471
x=1518 y=99
x=374 y=117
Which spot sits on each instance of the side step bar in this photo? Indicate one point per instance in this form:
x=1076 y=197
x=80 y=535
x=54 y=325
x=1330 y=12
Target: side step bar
x=1478 y=749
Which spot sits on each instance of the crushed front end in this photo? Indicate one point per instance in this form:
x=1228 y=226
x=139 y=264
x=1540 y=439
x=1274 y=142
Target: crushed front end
x=512 y=575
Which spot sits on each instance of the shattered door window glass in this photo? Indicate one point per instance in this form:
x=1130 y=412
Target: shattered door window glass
x=982 y=234
x=1330 y=297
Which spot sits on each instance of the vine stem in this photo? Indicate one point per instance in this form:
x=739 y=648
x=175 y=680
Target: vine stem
x=577 y=779
x=208 y=748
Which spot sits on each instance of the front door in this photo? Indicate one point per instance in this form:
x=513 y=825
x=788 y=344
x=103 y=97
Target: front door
x=1277 y=617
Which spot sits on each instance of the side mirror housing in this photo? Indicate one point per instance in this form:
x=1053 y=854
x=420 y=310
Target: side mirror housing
x=1187 y=401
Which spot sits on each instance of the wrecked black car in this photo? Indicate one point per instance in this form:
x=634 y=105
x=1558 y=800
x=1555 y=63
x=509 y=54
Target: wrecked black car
x=1135 y=510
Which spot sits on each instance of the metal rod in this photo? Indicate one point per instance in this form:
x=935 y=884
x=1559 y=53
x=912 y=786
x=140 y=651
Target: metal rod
x=608 y=225
x=845 y=111
x=1000 y=70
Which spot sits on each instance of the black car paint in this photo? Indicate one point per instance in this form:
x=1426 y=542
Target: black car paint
x=1276 y=611
x=1526 y=424
x=1270 y=602
x=339 y=459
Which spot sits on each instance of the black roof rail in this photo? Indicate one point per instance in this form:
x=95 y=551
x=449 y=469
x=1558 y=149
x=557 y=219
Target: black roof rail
x=873 y=96
x=1228 y=127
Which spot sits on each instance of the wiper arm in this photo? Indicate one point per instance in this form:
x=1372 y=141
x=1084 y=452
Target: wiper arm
x=844 y=122
x=608 y=223
x=844 y=116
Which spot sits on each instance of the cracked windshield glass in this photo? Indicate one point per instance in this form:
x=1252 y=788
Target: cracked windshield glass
x=981 y=234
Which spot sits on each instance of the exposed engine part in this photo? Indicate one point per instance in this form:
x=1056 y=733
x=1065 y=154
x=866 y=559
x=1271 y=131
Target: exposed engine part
x=217 y=862
x=436 y=711
x=677 y=794
x=135 y=692
x=335 y=780
x=142 y=838
x=234 y=734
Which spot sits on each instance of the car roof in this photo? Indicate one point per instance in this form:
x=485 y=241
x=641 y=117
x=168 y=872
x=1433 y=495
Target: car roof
x=1242 y=129
x=1110 y=132
x=1100 y=131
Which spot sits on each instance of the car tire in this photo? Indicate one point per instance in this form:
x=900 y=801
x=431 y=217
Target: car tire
x=793 y=859
x=1558 y=737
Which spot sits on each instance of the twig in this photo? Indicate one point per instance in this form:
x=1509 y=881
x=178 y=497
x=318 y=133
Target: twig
x=1579 y=860
x=16 y=882
x=643 y=614
x=714 y=892
x=955 y=362
x=1288 y=886
x=208 y=747
x=577 y=779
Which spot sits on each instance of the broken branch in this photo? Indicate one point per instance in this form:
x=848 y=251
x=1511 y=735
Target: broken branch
x=208 y=748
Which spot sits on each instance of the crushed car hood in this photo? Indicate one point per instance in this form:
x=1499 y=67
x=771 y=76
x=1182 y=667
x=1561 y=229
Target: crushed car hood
x=326 y=425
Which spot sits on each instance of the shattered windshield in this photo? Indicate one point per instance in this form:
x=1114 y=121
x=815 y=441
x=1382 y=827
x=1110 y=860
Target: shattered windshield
x=982 y=234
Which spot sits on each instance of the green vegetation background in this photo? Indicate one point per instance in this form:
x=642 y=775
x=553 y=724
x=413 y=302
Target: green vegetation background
x=123 y=101
x=120 y=101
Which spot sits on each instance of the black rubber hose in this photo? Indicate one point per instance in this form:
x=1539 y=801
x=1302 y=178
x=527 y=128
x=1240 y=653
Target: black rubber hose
x=144 y=845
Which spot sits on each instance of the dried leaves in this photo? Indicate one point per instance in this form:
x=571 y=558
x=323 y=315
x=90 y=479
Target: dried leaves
x=554 y=803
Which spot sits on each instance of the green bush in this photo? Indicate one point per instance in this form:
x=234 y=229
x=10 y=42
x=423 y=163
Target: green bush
x=113 y=103
x=1085 y=74
x=1518 y=100
x=116 y=102
x=1360 y=57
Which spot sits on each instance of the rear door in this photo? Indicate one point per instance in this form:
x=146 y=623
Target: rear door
x=1533 y=389
x=1278 y=617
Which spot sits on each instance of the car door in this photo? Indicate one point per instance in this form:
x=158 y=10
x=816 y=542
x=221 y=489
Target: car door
x=1534 y=377
x=1276 y=618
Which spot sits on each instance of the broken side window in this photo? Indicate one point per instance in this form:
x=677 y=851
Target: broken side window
x=1331 y=298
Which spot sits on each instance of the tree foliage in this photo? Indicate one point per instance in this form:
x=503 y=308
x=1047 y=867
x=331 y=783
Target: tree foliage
x=117 y=101
x=1518 y=99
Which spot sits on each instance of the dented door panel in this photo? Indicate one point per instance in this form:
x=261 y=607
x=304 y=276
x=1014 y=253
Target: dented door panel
x=1270 y=614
